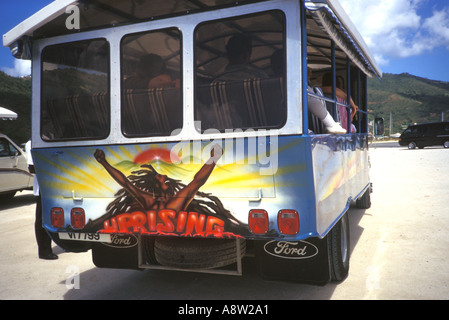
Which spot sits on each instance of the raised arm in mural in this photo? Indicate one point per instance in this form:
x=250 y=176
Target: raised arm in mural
x=163 y=197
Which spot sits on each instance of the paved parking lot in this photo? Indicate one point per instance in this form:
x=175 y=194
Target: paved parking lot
x=400 y=249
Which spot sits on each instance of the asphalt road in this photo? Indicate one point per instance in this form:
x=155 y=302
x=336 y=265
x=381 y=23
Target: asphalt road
x=399 y=249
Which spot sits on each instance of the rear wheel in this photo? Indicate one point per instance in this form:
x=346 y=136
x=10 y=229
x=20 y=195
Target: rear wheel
x=338 y=244
x=446 y=144
x=364 y=202
x=412 y=145
x=147 y=243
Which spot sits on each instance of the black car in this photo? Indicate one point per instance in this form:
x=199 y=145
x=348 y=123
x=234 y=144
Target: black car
x=425 y=135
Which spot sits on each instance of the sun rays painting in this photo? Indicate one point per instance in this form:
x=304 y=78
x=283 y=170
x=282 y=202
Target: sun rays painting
x=237 y=174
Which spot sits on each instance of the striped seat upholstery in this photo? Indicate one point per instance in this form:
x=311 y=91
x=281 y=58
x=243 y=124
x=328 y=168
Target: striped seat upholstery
x=77 y=116
x=147 y=112
x=250 y=103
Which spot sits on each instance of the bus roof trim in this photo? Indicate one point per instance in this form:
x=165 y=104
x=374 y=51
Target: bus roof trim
x=40 y=18
x=322 y=11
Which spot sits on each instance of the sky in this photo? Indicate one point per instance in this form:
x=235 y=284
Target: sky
x=409 y=36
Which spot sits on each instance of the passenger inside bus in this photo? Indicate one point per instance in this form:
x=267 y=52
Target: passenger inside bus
x=151 y=99
x=235 y=86
x=277 y=63
x=150 y=73
x=239 y=49
x=342 y=98
x=318 y=108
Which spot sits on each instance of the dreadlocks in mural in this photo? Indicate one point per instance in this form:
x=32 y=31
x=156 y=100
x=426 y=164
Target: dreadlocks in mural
x=153 y=203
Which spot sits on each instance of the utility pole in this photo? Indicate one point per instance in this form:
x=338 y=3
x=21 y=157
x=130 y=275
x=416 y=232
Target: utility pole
x=391 y=123
x=442 y=115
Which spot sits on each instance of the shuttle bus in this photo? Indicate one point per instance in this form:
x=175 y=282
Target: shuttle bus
x=178 y=134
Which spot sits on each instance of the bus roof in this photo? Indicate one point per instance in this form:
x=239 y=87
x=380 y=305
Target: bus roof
x=332 y=18
x=96 y=14
x=40 y=18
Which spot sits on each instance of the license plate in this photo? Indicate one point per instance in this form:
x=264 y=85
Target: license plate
x=82 y=236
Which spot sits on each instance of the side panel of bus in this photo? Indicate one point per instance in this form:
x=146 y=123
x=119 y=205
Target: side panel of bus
x=341 y=173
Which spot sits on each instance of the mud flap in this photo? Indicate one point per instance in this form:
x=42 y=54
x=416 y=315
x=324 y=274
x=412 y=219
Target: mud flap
x=305 y=261
x=122 y=253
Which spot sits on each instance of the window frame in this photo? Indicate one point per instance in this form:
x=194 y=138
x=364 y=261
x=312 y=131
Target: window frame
x=284 y=74
x=107 y=93
x=8 y=148
x=122 y=87
x=186 y=24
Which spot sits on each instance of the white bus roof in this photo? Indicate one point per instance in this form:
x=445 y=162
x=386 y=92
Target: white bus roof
x=40 y=18
x=50 y=21
x=337 y=24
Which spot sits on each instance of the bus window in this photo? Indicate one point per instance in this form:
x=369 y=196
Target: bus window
x=240 y=72
x=151 y=90
x=75 y=91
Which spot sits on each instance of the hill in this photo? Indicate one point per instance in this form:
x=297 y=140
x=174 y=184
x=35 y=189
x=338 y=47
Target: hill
x=410 y=99
x=15 y=95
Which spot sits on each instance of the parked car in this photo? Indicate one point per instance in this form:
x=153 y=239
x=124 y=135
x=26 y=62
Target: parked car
x=426 y=135
x=14 y=174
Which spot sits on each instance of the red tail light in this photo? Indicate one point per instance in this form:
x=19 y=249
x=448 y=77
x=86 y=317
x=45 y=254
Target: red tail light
x=78 y=218
x=258 y=221
x=288 y=222
x=57 y=217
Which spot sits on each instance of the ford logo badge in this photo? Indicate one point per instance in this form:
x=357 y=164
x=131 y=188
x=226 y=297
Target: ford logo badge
x=291 y=249
x=122 y=240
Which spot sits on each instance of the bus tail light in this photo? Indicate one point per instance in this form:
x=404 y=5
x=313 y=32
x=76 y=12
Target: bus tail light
x=57 y=217
x=258 y=221
x=288 y=222
x=78 y=218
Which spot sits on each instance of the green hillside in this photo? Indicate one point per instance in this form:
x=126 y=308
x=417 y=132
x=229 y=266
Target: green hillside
x=410 y=99
x=15 y=95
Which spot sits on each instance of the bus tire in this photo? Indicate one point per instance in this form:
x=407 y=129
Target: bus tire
x=196 y=253
x=339 y=249
x=147 y=243
x=364 y=202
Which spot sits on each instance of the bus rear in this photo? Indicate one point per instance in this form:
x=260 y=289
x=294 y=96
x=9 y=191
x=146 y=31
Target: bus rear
x=178 y=137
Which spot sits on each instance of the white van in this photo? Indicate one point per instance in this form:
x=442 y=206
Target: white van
x=14 y=174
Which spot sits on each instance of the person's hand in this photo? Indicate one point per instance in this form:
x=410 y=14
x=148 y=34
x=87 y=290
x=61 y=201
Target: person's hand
x=215 y=153
x=99 y=155
x=353 y=111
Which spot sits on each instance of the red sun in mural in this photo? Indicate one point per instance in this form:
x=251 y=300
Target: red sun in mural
x=156 y=154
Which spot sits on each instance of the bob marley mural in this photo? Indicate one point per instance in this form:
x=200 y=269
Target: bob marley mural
x=153 y=203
